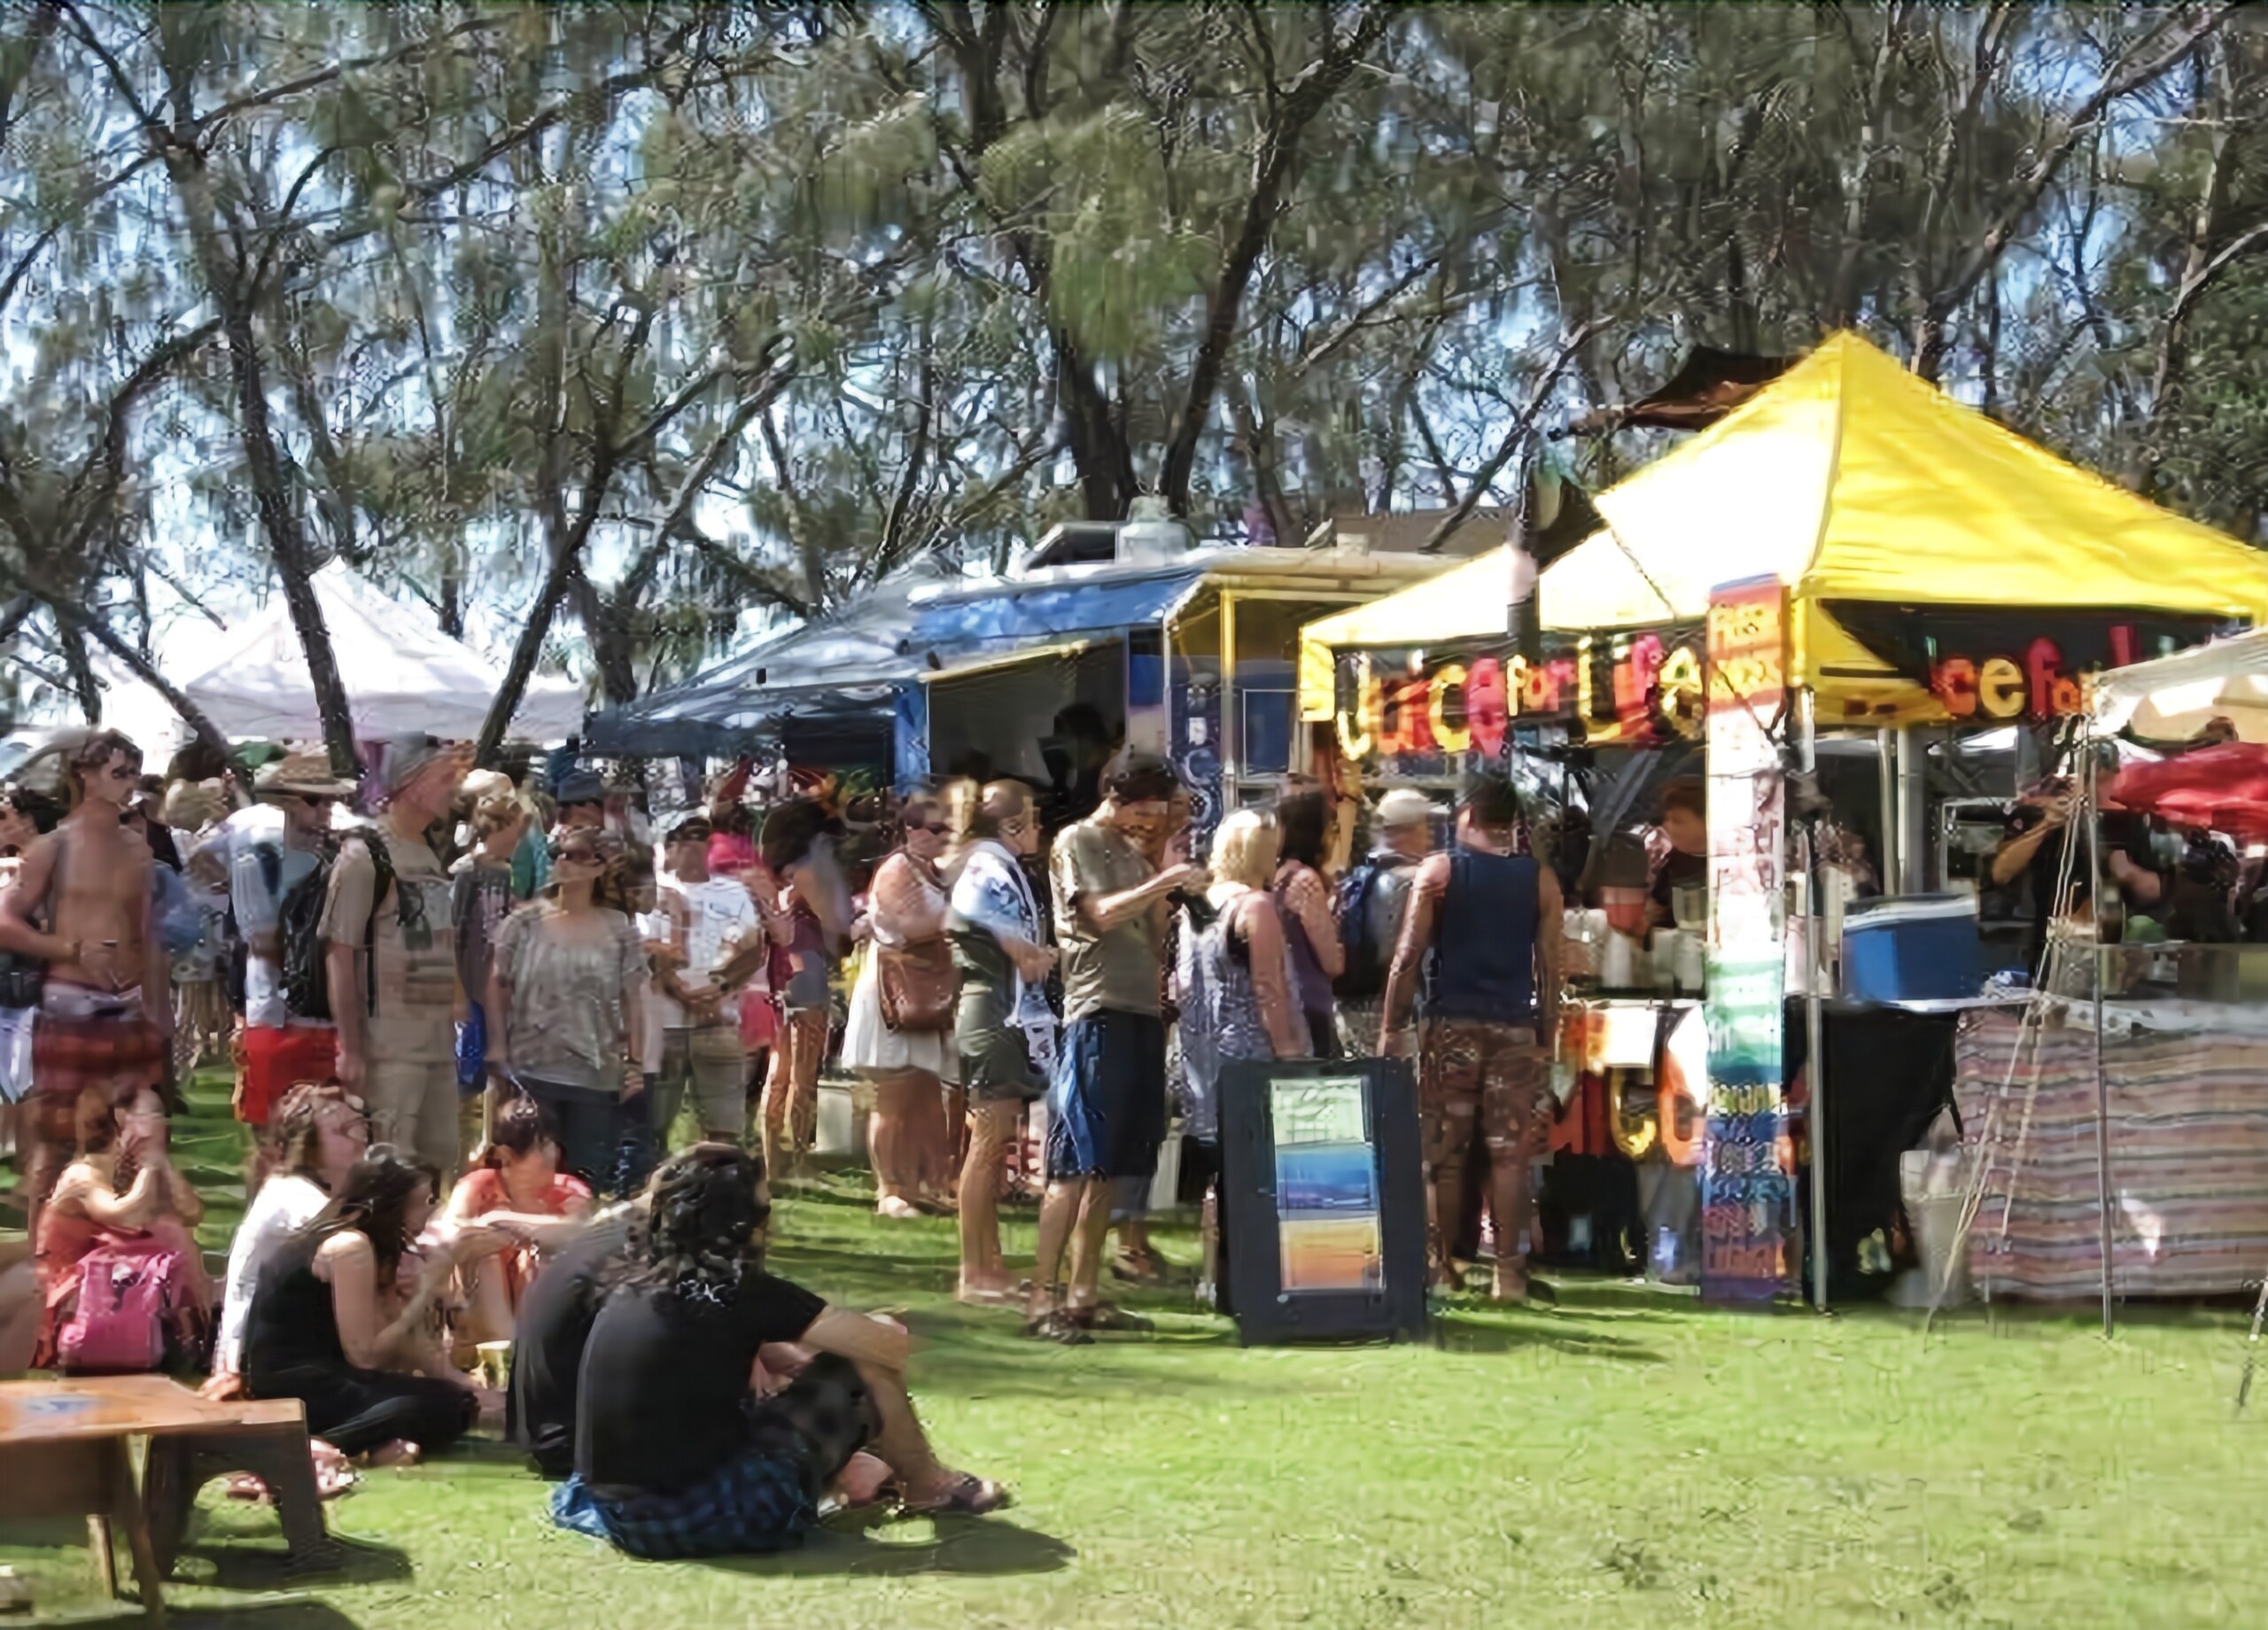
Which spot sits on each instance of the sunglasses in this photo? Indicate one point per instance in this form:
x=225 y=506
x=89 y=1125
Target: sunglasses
x=934 y=828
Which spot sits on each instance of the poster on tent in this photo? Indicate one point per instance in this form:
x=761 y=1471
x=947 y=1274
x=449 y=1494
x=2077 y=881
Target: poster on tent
x=1746 y=1191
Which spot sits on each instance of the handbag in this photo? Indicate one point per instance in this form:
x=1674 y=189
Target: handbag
x=918 y=984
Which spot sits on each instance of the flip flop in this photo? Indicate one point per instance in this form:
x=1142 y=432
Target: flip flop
x=1060 y=1326
x=964 y=1496
x=1108 y=1315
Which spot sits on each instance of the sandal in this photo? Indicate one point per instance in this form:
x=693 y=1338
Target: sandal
x=964 y=1496
x=1058 y=1325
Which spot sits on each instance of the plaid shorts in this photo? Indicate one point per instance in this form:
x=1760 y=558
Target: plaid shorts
x=121 y=1056
x=764 y=1499
x=1473 y=1067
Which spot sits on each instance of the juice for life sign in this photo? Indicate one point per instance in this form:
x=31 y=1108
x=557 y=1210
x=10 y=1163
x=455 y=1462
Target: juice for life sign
x=1746 y=1194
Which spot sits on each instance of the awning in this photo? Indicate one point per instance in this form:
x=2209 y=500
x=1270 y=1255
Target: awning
x=2177 y=698
x=992 y=662
x=1038 y=615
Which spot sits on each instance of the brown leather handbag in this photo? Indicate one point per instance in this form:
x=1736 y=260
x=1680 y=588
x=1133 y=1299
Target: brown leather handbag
x=919 y=985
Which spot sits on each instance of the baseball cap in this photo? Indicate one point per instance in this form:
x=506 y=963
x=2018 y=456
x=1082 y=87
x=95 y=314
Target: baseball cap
x=1405 y=806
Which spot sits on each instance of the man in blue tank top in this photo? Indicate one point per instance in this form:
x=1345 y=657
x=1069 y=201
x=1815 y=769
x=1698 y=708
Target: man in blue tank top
x=1482 y=932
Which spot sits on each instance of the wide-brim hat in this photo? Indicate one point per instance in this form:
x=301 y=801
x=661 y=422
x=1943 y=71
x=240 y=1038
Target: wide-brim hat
x=301 y=775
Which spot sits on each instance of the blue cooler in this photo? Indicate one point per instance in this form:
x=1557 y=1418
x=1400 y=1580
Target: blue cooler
x=1912 y=948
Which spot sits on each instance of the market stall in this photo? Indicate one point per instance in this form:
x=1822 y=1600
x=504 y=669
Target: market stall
x=1849 y=551
x=2121 y=1122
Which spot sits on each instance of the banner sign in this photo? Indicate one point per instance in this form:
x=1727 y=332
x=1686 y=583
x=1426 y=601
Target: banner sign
x=2001 y=664
x=1746 y=1191
x=1626 y=689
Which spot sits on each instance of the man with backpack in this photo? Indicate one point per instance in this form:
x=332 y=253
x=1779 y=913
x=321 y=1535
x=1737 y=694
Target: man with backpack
x=389 y=958
x=275 y=859
x=1371 y=897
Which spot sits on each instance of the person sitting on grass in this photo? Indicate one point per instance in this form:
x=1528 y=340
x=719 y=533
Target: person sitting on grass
x=120 y=1186
x=316 y=1133
x=319 y=1329
x=675 y=1455
x=515 y=1188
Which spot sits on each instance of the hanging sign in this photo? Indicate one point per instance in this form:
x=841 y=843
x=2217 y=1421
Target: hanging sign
x=1746 y=1191
x=1626 y=689
x=1996 y=664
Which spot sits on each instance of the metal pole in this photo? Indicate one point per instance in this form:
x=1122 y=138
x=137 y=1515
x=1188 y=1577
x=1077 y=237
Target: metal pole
x=1894 y=864
x=1913 y=811
x=2097 y=953
x=1814 y=1019
x=1232 y=735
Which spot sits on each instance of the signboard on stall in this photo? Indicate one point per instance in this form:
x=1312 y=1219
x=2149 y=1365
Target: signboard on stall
x=1323 y=1201
x=1627 y=688
x=1746 y=1190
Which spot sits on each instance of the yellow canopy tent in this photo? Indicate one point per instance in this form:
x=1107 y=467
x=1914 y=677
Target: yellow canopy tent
x=1849 y=480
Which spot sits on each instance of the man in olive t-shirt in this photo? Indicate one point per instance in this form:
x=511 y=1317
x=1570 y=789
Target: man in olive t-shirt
x=1107 y=1106
x=397 y=1047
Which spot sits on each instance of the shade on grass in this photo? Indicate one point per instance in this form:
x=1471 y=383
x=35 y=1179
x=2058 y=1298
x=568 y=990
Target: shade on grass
x=1626 y=1461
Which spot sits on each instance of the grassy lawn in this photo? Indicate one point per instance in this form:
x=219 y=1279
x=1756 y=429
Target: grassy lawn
x=1627 y=1460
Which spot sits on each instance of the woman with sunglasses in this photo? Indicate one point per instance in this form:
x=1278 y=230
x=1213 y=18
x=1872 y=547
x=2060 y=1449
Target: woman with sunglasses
x=909 y=1065
x=315 y=1135
x=565 y=979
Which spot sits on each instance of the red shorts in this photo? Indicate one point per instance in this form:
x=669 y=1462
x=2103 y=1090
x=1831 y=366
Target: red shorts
x=273 y=1060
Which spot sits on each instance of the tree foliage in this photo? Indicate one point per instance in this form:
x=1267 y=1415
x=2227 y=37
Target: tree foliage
x=600 y=328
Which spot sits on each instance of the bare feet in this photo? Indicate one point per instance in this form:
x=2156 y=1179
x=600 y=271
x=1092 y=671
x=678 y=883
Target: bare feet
x=897 y=1207
x=394 y=1454
x=985 y=1294
x=863 y=1480
x=956 y=1494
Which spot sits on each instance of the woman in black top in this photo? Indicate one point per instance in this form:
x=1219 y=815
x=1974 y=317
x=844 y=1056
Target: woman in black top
x=319 y=1329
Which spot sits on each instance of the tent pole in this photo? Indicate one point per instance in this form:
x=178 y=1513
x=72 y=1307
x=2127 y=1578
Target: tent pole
x=1893 y=863
x=1814 y=1019
x=2097 y=953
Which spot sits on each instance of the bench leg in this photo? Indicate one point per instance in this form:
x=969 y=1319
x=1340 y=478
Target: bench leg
x=169 y=1485
x=126 y=1511
x=281 y=1460
x=105 y=1559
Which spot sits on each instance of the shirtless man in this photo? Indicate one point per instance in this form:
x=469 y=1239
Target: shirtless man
x=82 y=905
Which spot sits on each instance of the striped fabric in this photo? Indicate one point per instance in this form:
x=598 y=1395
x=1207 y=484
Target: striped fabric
x=2188 y=1155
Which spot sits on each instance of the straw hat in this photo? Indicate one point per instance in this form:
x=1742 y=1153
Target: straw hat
x=301 y=775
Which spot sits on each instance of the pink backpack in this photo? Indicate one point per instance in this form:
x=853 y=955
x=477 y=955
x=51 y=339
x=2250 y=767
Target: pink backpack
x=129 y=1297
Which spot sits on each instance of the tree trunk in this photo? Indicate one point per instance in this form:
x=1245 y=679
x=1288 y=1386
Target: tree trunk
x=279 y=521
x=566 y=562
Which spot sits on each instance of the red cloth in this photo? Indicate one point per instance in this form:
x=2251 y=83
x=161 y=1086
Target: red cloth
x=276 y=1058
x=730 y=853
x=2222 y=788
x=483 y=1191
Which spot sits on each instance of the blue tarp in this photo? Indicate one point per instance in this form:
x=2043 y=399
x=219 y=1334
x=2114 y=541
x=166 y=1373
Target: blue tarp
x=1033 y=616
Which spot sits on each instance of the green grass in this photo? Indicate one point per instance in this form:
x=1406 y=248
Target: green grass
x=1626 y=1461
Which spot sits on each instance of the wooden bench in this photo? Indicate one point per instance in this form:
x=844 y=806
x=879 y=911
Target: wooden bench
x=65 y=1451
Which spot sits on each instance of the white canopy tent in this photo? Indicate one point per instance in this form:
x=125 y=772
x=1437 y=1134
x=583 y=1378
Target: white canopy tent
x=402 y=674
x=2174 y=698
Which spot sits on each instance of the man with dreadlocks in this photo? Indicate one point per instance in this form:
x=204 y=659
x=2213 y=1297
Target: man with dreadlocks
x=675 y=1456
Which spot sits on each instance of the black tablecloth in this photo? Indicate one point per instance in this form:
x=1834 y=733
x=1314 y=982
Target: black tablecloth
x=1888 y=1072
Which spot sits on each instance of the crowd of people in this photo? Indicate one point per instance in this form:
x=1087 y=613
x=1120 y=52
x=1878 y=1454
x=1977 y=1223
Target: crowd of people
x=521 y=1062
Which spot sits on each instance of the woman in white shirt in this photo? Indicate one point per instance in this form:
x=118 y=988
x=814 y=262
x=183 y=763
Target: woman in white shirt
x=318 y=1133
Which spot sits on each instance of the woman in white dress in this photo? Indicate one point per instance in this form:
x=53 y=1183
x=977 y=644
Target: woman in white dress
x=905 y=913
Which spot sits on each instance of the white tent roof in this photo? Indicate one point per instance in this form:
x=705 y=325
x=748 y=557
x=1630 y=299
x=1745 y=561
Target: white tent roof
x=402 y=673
x=2173 y=698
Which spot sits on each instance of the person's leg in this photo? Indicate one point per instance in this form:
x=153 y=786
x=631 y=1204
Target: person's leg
x=1060 y=1209
x=1088 y=1240
x=1448 y=1075
x=891 y=1138
x=358 y=1411
x=487 y=1315
x=392 y=1088
x=717 y=1069
x=983 y=1268
x=631 y=1137
x=435 y=1136
x=1511 y=1116
x=669 y=1087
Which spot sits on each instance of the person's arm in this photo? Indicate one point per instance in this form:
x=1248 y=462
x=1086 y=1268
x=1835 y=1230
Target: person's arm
x=139 y=1207
x=1102 y=912
x=2139 y=884
x=862 y=1337
x=1409 y=949
x=1279 y=1008
x=24 y=897
x=1550 y=929
x=371 y=1341
x=633 y=1017
x=345 y=923
x=156 y=966
x=1310 y=903
x=2014 y=854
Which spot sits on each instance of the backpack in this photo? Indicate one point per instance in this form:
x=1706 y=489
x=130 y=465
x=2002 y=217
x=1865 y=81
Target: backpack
x=306 y=977
x=1365 y=964
x=130 y=1297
